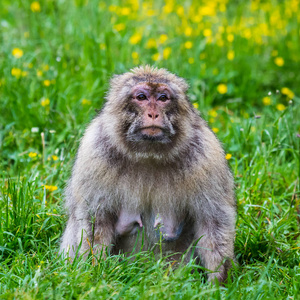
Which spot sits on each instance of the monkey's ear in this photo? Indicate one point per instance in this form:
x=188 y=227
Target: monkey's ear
x=184 y=86
x=116 y=81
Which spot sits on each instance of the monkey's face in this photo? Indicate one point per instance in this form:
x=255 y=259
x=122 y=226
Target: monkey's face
x=150 y=112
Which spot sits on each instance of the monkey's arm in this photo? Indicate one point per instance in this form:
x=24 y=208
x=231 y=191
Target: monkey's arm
x=215 y=230
x=90 y=224
x=94 y=233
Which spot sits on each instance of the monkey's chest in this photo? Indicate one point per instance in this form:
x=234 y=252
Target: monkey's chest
x=149 y=230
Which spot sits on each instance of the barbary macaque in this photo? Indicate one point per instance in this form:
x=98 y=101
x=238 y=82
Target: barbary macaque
x=148 y=165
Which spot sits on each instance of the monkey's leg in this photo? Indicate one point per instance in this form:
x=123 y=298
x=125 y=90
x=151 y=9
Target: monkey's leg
x=78 y=232
x=69 y=243
x=93 y=232
x=103 y=234
x=216 y=244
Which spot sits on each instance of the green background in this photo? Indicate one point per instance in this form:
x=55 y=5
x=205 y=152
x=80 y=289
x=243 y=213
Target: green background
x=241 y=60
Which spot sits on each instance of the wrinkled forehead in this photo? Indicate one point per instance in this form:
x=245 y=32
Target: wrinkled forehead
x=123 y=86
x=152 y=88
x=154 y=85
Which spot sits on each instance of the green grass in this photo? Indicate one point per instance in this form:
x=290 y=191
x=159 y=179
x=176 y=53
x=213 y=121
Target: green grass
x=76 y=46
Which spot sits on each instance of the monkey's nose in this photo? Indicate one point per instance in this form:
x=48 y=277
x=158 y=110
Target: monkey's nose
x=153 y=116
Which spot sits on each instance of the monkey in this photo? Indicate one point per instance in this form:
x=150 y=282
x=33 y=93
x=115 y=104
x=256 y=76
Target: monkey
x=149 y=167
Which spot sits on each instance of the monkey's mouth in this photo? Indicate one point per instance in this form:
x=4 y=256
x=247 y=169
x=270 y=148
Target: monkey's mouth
x=152 y=131
x=152 y=134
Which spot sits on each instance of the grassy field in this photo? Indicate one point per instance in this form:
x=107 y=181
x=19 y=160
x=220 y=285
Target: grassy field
x=241 y=59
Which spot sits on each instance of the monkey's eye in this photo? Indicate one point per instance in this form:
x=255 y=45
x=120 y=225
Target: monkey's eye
x=163 y=98
x=141 y=97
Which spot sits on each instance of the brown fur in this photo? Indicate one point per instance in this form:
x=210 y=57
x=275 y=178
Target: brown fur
x=187 y=178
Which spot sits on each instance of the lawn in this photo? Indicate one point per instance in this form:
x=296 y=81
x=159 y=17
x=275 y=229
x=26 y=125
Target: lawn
x=242 y=62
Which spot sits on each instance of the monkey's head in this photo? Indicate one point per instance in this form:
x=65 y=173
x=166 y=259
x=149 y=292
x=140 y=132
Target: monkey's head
x=148 y=111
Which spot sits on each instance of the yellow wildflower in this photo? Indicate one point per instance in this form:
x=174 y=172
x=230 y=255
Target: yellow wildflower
x=191 y=60
x=247 y=33
x=213 y=113
x=188 y=45
x=32 y=154
x=288 y=92
x=163 y=38
x=196 y=105
x=202 y=56
x=266 y=100
x=24 y=73
x=196 y=18
x=35 y=6
x=166 y=53
x=86 y=102
x=230 y=55
x=112 y=8
x=16 y=72
x=180 y=11
x=222 y=7
x=208 y=10
x=222 y=88
x=45 y=101
x=125 y=11
x=50 y=188
x=151 y=43
x=134 y=55
x=119 y=27
x=151 y=13
x=54 y=157
x=135 y=39
x=280 y=107
x=46 y=82
x=230 y=37
x=17 y=52
x=207 y=32
x=279 y=61
x=155 y=56
x=188 y=31
x=228 y=156
x=39 y=73
x=168 y=8
x=46 y=68
x=215 y=130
